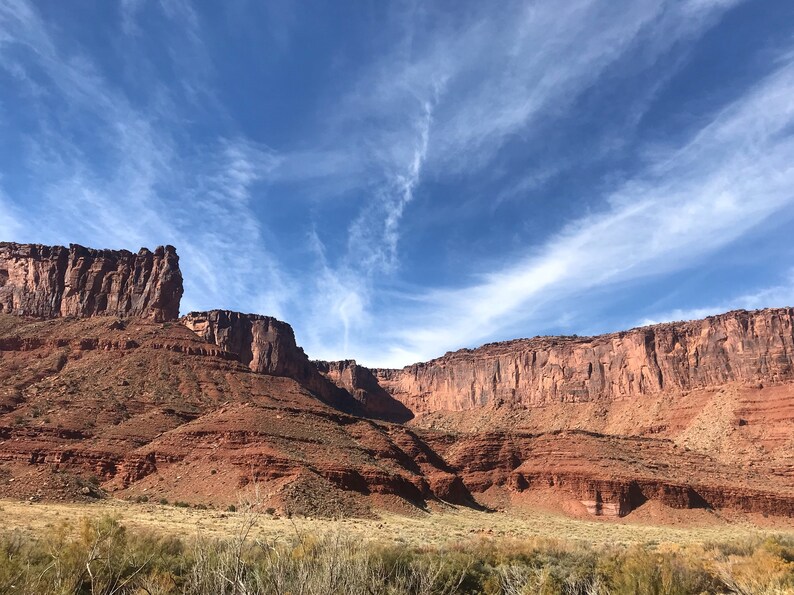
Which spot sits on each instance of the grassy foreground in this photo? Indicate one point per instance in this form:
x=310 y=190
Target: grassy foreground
x=100 y=553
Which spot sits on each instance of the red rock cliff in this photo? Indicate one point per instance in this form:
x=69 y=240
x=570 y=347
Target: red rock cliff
x=363 y=386
x=54 y=281
x=267 y=346
x=740 y=346
x=263 y=343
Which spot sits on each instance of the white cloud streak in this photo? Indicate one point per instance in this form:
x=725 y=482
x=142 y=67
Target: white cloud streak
x=144 y=188
x=375 y=234
x=456 y=96
x=776 y=296
x=733 y=175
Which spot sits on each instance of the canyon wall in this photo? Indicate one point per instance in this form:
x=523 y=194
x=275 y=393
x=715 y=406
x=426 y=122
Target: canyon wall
x=610 y=421
x=360 y=382
x=267 y=346
x=264 y=344
x=54 y=281
x=743 y=347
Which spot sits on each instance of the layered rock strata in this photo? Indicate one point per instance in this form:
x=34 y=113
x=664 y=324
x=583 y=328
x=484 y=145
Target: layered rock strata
x=743 y=347
x=54 y=281
x=267 y=346
x=610 y=475
x=692 y=414
x=150 y=410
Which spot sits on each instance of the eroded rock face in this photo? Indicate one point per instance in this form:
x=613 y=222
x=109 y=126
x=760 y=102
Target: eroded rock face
x=739 y=347
x=361 y=383
x=54 y=281
x=610 y=475
x=263 y=343
x=156 y=410
x=153 y=410
x=267 y=346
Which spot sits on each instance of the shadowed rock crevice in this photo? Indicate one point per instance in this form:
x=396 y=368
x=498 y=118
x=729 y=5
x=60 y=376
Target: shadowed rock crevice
x=360 y=382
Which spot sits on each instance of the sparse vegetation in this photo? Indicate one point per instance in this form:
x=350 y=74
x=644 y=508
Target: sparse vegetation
x=100 y=555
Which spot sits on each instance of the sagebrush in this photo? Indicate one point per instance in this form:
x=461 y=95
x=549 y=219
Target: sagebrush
x=100 y=556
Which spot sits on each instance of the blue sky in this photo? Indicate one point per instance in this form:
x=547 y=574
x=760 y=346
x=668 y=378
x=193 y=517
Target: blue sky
x=401 y=179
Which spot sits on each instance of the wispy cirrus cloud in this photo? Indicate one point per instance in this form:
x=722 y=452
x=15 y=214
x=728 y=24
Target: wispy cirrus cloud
x=732 y=175
x=493 y=74
x=779 y=295
x=374 y=236
x=115 y=174
x=445 y=102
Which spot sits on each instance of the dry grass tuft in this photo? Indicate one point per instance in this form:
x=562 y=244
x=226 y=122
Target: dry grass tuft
x=79 y=549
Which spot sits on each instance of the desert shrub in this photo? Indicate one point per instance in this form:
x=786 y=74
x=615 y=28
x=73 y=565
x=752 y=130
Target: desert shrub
x=101 y=556
x=20 y=559
x=97 y=557
x=763 y=567
x=644 y=571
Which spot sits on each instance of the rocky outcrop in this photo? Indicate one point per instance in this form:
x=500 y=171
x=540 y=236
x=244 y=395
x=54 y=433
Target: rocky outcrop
x=174 y=417
x=609 y=475
x=361 y=383
x=267 y=346
x=743 y=347
x=263 y=343
x=54 y=281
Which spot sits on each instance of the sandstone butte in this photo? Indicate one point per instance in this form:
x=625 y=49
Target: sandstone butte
x=104 y=390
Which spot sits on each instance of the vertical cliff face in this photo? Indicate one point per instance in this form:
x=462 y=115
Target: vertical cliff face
x=362 y=384
x=744 y=347
x=54 y=281
x=267 y=346
x=263 y=343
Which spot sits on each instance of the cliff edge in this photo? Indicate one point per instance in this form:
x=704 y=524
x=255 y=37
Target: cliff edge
x=54 y=281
